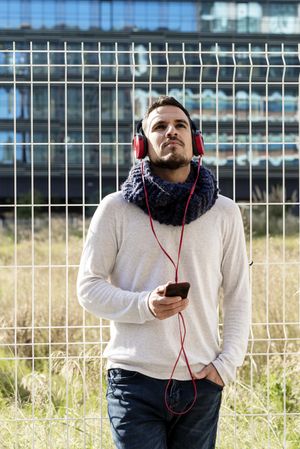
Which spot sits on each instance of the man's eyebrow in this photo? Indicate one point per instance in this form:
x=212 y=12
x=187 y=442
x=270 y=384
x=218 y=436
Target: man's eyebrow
x=162 y=122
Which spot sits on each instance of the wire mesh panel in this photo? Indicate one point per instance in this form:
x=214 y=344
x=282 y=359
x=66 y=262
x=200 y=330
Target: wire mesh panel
x=67 y=114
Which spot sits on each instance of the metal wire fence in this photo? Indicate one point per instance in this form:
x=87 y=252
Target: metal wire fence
x=66 y=120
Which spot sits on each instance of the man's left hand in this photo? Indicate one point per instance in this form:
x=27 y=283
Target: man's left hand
x=210 y=373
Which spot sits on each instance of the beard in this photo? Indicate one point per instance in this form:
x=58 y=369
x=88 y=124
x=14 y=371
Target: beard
x=173 y=162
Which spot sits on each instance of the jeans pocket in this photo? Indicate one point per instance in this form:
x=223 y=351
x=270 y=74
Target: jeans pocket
x=217 y=386
x=120 y=382
x=120 y=375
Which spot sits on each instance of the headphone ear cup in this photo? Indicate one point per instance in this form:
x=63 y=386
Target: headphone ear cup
x=198 y=143
x=139 y=144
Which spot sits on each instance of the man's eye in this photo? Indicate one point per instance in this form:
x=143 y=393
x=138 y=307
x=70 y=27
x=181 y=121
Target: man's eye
x=181 y=125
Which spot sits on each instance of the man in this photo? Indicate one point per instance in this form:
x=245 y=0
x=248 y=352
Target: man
x=130 y=256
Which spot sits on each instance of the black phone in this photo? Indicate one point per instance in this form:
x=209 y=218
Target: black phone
x=179 y=289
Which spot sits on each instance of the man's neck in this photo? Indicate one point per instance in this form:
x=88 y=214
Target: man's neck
x=177 y=176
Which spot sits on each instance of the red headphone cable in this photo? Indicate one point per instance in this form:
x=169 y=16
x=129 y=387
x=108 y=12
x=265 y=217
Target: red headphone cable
x=181 y=321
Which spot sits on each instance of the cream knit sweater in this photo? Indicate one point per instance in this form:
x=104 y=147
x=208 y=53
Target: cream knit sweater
x=122 y=263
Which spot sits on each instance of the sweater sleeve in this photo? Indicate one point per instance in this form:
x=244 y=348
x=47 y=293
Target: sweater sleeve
x=236 y=305
x=95 y=293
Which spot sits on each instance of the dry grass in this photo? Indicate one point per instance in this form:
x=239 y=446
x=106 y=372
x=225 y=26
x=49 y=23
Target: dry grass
x=63 y=389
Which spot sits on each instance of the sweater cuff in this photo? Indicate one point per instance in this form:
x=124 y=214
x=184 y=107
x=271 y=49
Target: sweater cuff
x=145 y=312
x=226 y=370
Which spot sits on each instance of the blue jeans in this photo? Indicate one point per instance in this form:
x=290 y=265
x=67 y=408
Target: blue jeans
x=139 y=418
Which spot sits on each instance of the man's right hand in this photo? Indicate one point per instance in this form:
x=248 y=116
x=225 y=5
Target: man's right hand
x=162 y=306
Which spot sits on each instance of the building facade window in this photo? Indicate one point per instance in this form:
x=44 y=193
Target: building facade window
x=105 y=15
x=9 y=142
x=282 y=18
x=14 y=103
x=116 y=15
x=248 y=17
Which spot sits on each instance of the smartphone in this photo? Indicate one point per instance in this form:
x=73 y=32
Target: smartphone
x=179 y=289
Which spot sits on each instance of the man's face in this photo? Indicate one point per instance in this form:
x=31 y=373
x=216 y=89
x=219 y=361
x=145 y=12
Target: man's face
x=169 y=137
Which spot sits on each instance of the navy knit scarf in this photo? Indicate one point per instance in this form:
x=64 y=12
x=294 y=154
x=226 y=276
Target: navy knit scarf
x=167 y=200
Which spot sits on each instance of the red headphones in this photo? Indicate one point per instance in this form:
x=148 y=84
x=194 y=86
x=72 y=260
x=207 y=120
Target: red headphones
x=140 y=143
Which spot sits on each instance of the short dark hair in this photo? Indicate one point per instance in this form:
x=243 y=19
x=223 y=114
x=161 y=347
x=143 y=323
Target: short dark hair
x=165 y=100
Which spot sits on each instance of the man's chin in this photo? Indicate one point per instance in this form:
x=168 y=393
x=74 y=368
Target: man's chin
x=171 y=164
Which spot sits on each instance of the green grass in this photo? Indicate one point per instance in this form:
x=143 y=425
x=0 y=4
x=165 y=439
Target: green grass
x=57 y=398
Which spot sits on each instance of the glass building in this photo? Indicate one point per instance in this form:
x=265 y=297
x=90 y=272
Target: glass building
x=48 y=122
x=255 y=17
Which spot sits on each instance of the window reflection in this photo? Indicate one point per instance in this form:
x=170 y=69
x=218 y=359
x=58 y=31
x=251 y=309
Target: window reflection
x=14 y=103
x=274 y=108
x=13 y=14
x=71 y=14
x=260 y=108
x=119 y=15
x=37 y=13
x=282 y=18
x=106 y=15
x=49 y=16
x=11 y=144
x=74 y=98
x=223 y=17
x=17 y=103
x=249 y=16
x=190 y=16
x=40 y=102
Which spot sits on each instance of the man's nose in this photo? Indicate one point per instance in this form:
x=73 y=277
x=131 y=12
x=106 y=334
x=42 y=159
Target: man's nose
x=171 y=130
